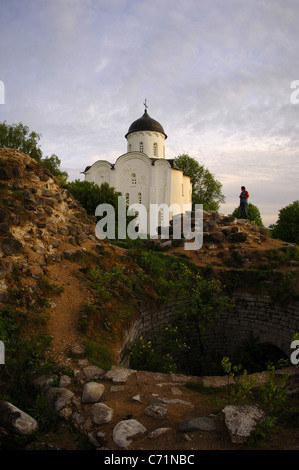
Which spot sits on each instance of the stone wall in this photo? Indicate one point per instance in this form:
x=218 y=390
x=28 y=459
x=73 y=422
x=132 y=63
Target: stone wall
x=252 y=313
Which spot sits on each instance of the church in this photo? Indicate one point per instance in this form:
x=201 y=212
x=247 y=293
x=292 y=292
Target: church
x=144 y=175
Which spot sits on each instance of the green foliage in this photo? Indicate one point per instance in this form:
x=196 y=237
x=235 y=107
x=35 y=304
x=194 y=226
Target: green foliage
x=53 y=165
x=262 y=432
x=172 y=279
x=19 y=137
x=206 y=189
x=274 y=391
x=156 y=352
x=253 y=214
x=287 y=226
x=90 y=195
x=241 y=392
x=44 y=414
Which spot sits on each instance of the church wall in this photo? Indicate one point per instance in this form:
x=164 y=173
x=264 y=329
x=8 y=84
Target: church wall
x=133 y=176
x=180 y=189
x=100 y=173
x=148 y=139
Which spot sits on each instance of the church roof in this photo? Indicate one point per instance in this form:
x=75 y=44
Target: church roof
x=145 y=123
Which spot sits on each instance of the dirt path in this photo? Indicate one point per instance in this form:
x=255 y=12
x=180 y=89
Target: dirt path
x=65 y=307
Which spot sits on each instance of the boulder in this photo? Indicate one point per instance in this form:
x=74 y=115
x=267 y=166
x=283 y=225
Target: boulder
x=92 y=392
x=119 y=374
x=93 y=372
x=58 y=397
x=100 y=413
x=241 y=420
x=197 y=424
x=11 y=246
x=237 y=237
x=124 y=430
x=15 y=420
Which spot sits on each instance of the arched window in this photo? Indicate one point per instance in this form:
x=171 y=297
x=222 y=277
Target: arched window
x=155 y=149
x=139 y=198
x=133 y=179
x=140 y=146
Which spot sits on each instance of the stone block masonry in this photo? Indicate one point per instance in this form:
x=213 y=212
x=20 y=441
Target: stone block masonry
x=258 y=314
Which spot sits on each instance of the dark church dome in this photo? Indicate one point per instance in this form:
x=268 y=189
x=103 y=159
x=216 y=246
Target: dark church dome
x=145 y=123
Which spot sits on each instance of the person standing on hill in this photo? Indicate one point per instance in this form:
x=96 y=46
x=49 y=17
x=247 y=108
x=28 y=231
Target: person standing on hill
x=243 y=202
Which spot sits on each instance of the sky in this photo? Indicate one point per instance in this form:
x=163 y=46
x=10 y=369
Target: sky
x=221 y=76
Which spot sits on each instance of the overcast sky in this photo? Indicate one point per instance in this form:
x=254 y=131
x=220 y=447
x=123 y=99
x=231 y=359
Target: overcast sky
x=217 y=74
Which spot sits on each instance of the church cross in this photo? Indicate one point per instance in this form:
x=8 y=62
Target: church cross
x=145 y=105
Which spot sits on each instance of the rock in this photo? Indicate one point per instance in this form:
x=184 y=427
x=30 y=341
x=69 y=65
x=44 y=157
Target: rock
x=44 y=382
x=156 y=409
x=4 y=215
x=92 y=392
x=11 y=246
x=4 y=228
x=241 y=421
x=100 y=413
x=229 y=220
x=15 y=420
x=64 y=381
x=72 y=254
x=119 y=374
x=93 y=372
x=197 y=424
x=158 y=432
x=59 y=397
x=124 y=430
x=215 y=237
x=237 y=237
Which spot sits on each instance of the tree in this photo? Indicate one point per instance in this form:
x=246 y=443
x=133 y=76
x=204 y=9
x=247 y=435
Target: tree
x=90 y=195
x=19 y=137
x=287 y=226
x=53 y=164
x=253 y=214
x=206 y=189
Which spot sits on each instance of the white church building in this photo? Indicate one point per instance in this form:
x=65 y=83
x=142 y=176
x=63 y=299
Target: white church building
x=143 y=174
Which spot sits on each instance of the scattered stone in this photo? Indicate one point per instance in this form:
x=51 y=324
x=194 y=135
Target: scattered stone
x=44 y=382
x=156 y=409
x=59 y=397
x=124 y=430
x=119 y=374
x=158 y=432
x=237 y=237
x=241 y=421
x=11 y=246
x=92 y=392
x=72 y=254
x=65 y=381
x=93 y=372
x=197 y=424
x=16 y=420
x=100 y=413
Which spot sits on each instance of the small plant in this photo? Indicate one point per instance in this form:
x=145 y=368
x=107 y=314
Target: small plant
x=242 y=391
x=274 y=391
